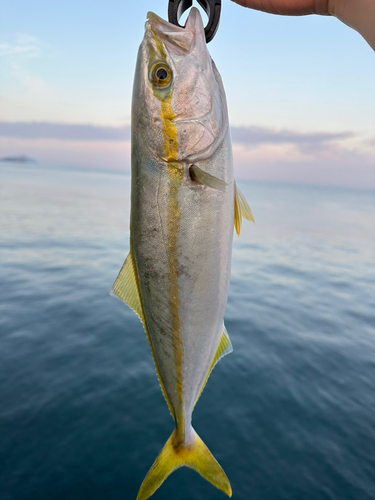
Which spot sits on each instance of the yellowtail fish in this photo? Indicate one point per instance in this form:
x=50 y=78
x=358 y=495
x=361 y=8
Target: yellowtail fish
x=184 y=205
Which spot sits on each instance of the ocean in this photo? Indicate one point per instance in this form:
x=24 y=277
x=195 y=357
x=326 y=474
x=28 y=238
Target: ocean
x=290 y=414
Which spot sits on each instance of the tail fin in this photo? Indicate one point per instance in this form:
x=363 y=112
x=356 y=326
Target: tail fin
x=171 y=457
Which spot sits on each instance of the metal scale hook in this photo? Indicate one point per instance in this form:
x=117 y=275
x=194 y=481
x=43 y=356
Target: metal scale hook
x=211 y=7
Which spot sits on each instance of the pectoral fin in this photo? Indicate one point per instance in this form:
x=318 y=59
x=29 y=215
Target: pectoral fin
x=241 y=209
x=198 y=175
x=224 y=348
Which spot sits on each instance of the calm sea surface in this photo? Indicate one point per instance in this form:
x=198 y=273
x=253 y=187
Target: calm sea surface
x=289 y=415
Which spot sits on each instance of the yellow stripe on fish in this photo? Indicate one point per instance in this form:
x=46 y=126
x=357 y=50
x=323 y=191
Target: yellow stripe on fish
x=175 y=175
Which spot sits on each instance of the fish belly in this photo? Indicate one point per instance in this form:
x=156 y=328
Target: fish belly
x=181 y=238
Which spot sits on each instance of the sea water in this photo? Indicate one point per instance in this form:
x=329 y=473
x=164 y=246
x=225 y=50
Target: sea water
x=289 y=415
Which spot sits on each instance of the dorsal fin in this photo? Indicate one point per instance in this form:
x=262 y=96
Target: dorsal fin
x=126 y=288
x=241 y=209
x=224 y=348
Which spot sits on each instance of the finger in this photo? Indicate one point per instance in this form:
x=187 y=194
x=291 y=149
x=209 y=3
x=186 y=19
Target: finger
x=288 y=7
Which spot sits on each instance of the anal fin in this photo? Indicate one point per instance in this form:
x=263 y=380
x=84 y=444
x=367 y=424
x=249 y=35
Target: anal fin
x=224 y=348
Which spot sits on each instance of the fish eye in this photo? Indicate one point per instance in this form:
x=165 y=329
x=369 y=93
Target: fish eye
x=161 y=75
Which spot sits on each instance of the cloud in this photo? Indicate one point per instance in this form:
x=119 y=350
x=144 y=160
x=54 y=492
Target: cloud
x=63 y=131
x=30 y=82
x=15 y=58
x=22 y=45
x=246 y=136
x=261 y=145
x=258 y=135
x=305 y=142
x=341 y=158
x=255 y=143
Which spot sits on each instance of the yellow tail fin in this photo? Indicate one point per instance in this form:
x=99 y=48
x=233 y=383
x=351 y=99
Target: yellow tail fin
x=172 y=456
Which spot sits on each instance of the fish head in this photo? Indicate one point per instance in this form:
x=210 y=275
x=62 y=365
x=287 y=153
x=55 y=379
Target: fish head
x=178 y=98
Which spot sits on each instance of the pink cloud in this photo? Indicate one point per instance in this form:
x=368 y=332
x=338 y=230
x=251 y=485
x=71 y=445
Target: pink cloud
x=341 y=158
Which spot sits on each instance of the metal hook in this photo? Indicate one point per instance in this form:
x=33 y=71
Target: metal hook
x=211 y=7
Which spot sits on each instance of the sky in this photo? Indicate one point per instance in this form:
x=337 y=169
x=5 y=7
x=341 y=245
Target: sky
x=300 y=90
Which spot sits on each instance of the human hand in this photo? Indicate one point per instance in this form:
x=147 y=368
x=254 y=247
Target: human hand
x=289 y=7
x=358 y=14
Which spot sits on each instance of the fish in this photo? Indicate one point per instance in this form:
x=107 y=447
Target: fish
x=184 y=206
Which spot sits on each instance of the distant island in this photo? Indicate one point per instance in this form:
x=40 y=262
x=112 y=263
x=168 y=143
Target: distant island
x=18 y=159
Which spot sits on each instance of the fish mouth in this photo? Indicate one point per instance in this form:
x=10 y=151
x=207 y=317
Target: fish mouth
x=192 y=22
x=163 y=23
x=181 y=38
